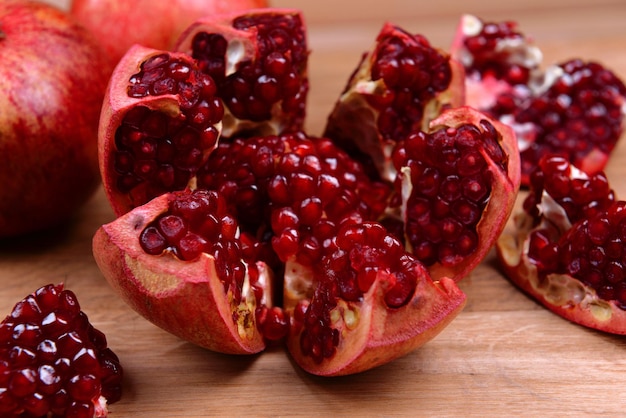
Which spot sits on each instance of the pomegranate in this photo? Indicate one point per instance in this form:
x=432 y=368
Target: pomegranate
x=160 y=120
x=566 y=248
x=259 y=61
x=399 y=86
x=53 y=362
x=456 y=189
x=52 y=87
x=575 y=108
x=119 y=24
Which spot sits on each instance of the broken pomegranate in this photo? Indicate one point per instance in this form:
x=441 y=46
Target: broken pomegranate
x=53 y=362
x=399 y=86
x=575 y=108
x=259 y=61
x=160 y=120
x=566 y=247
x=456 y=189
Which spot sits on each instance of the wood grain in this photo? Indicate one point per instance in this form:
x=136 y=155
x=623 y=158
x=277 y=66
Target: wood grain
x=503 y=356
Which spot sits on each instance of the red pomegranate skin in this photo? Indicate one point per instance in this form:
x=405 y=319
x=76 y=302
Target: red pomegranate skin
x=52 y=80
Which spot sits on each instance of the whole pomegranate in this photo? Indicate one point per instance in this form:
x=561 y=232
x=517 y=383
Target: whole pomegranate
x=51 y=89
x=118 y=24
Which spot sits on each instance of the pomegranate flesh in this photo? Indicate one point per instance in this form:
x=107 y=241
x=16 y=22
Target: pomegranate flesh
x=53 y=79
x=566 y=247
x=399 y=86
x=160 y=120
x=53 y=362
x=180 y=262
x=119 y=24
x=456 y=189
x=259 y=61
x=575 y=108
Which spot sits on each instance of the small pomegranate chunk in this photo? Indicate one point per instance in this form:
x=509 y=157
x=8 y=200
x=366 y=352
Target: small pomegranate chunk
x=259 y=60
x=566 y=249
x=575 y=108
x=161 y=130
x=399 y=86
x=53 y=362
x=370 y=302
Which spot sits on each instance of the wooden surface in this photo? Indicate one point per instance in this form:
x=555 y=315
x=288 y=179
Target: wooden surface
x=504 y=355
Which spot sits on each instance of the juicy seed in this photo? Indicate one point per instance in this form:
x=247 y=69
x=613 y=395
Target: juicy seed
x=275 y=77
x=156 y=151
x=413 y=73
x=451 y=187
x=52 y=360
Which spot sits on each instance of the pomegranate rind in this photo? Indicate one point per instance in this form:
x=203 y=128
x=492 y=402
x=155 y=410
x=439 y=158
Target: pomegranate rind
x=382 y=334
x=116 y=105
x=353 y=120
x=185 y=298
x=561 y=294
x=504 y=189
x=243 y=46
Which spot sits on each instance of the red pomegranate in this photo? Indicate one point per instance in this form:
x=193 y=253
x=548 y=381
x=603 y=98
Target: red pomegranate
x=53 y=362
x=575 y=108
x=156 y=24
x=52 y=88
x=566 y=249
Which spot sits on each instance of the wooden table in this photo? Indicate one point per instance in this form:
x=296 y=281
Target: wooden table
x=504 y=355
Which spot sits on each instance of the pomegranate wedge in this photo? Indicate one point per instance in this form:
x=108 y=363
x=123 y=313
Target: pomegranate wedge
x=566 y=247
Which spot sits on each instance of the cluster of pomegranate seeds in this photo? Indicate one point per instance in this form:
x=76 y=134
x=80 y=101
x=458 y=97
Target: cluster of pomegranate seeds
x=450 y=188
x=592 y=251
x=53 y=362
x=157 y=151
x=303 y=187
x=492 y=51
x=275 y=76
x=581 y=113
x=413 y=73
x=199 y=222
x=579 y=194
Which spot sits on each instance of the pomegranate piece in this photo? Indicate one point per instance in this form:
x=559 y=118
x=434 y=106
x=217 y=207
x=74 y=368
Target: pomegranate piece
x=53 y=362
x=458 y=183
x=160 y=120
x=258 y=59
x=566 y=249
x=399 y=86
x=180 y=262
x=369 y=302
x=575 y=108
